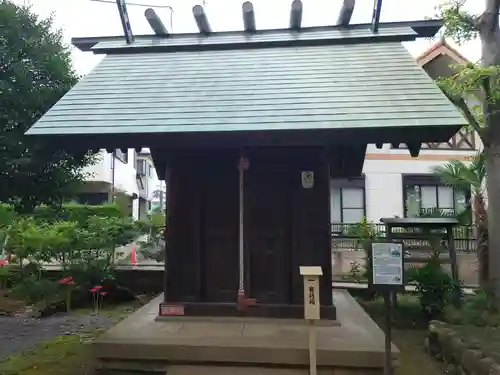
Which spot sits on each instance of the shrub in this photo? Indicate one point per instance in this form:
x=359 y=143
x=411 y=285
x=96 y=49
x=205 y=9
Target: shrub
x=76 y=212
x=480 y=309
x=154 y=228
x=433 y=285
x=33 y=290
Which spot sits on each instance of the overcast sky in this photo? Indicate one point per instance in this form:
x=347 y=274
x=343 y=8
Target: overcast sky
x=79 y=18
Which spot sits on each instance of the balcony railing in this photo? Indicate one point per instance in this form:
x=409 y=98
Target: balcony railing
x=344 y=237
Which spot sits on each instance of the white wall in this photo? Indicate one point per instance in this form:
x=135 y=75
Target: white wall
x=125 y=175
x=384 y=184
x=152 y=182
x=384 y=177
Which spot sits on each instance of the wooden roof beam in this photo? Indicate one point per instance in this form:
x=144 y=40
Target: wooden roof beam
x=414 y=148
x=155 y=22
x=201 y=19
x=248 y=16
x=296 y=14
x=127 y=29
x=346 y=12
x=377 y=8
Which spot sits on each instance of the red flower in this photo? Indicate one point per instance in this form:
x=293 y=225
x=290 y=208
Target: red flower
x=103 y=293
x=2 y=262
x=93 y=290
x=71 y=282
x=66 y=280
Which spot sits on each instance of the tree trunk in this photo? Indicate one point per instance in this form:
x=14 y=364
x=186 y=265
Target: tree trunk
x=493 y=184
x=487 y=24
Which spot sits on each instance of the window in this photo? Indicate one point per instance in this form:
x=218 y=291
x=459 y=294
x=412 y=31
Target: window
x=347 y=200
x=122 y=156
x=423 y=194
x=150 y=170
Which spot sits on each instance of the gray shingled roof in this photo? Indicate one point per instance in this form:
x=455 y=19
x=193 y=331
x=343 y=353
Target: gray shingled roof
x=375 y=85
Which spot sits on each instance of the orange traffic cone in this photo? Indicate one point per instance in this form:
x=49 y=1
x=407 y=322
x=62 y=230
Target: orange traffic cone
x=133 y=257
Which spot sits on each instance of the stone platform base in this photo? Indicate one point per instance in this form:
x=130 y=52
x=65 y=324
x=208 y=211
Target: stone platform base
x=203 y=345
x=231 y=370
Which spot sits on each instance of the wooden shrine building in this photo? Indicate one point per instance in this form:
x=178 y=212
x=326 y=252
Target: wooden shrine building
x=247 y=128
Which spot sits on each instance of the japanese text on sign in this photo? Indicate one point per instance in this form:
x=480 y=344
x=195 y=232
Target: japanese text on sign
x=387 y=263
x=312 y=298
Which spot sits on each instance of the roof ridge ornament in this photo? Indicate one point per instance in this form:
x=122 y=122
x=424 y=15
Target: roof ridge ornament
x=248 y=16
x=155 y=22
x=201 y=19
x=296 y=14
x=127 y=29
x=345 y=13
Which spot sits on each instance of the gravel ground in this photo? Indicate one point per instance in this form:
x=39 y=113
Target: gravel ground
x=19 y=333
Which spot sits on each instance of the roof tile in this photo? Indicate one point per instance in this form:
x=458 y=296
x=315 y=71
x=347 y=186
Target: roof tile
x=307 y=87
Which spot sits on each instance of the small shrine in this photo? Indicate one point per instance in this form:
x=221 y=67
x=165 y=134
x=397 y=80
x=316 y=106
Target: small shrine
x=247 y=128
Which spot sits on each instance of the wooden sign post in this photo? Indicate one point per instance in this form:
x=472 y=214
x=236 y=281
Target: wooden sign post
x=386 y=264
x=311 y=308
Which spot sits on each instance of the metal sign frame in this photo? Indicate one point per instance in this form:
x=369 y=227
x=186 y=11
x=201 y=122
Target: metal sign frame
x=385 y=287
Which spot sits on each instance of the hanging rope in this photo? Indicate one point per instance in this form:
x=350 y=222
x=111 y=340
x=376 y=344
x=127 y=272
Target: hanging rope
x=243 y=301
x=242 y=166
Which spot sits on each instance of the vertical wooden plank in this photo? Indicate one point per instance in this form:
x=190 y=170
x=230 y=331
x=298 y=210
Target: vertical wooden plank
x=183 y=266
x=170 y=260
x=311 y=221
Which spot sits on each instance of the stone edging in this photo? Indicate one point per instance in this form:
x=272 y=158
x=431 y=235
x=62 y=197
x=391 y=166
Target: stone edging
x=460 y=357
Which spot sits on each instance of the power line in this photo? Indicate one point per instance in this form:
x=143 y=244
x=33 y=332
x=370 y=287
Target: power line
x=136 y=4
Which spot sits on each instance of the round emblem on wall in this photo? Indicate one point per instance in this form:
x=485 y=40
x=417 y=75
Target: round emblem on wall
x=307 y=179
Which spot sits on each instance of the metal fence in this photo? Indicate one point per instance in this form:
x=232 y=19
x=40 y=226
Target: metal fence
x=344 y=236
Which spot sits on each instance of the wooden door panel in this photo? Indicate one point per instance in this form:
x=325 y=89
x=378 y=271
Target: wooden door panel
x=267 y=231
x=220 y=215
x=221 y=268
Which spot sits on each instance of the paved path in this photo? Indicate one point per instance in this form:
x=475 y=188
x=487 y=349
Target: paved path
x=19 y=333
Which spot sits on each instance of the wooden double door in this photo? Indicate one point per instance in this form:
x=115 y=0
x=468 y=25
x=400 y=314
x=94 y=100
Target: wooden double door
x=267 y=239
x=285 y=226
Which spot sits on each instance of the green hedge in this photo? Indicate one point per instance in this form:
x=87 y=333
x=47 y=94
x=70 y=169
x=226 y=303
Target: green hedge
x=7 y=214
x=76 y=212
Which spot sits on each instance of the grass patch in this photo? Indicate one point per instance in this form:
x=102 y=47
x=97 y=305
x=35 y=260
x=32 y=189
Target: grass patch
x=114 y=312
x=413 y=359
x=408 y=334
x=407 y=315
x=62 y=355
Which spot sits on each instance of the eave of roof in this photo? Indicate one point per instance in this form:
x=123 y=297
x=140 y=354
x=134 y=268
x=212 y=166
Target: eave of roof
x=425 y=29
x=439 y=48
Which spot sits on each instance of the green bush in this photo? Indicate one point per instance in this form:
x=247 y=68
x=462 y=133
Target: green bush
x=79 y=213
x=154 y=228
x=33 y=290
x=479 y=309
x=433 y=285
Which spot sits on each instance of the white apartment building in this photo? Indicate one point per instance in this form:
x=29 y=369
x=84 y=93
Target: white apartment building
x=147 y=181
x=130 y=175
x=394 y=183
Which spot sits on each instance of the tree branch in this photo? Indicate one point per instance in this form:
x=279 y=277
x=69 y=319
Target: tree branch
x=488 y=20
x=460 y=103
